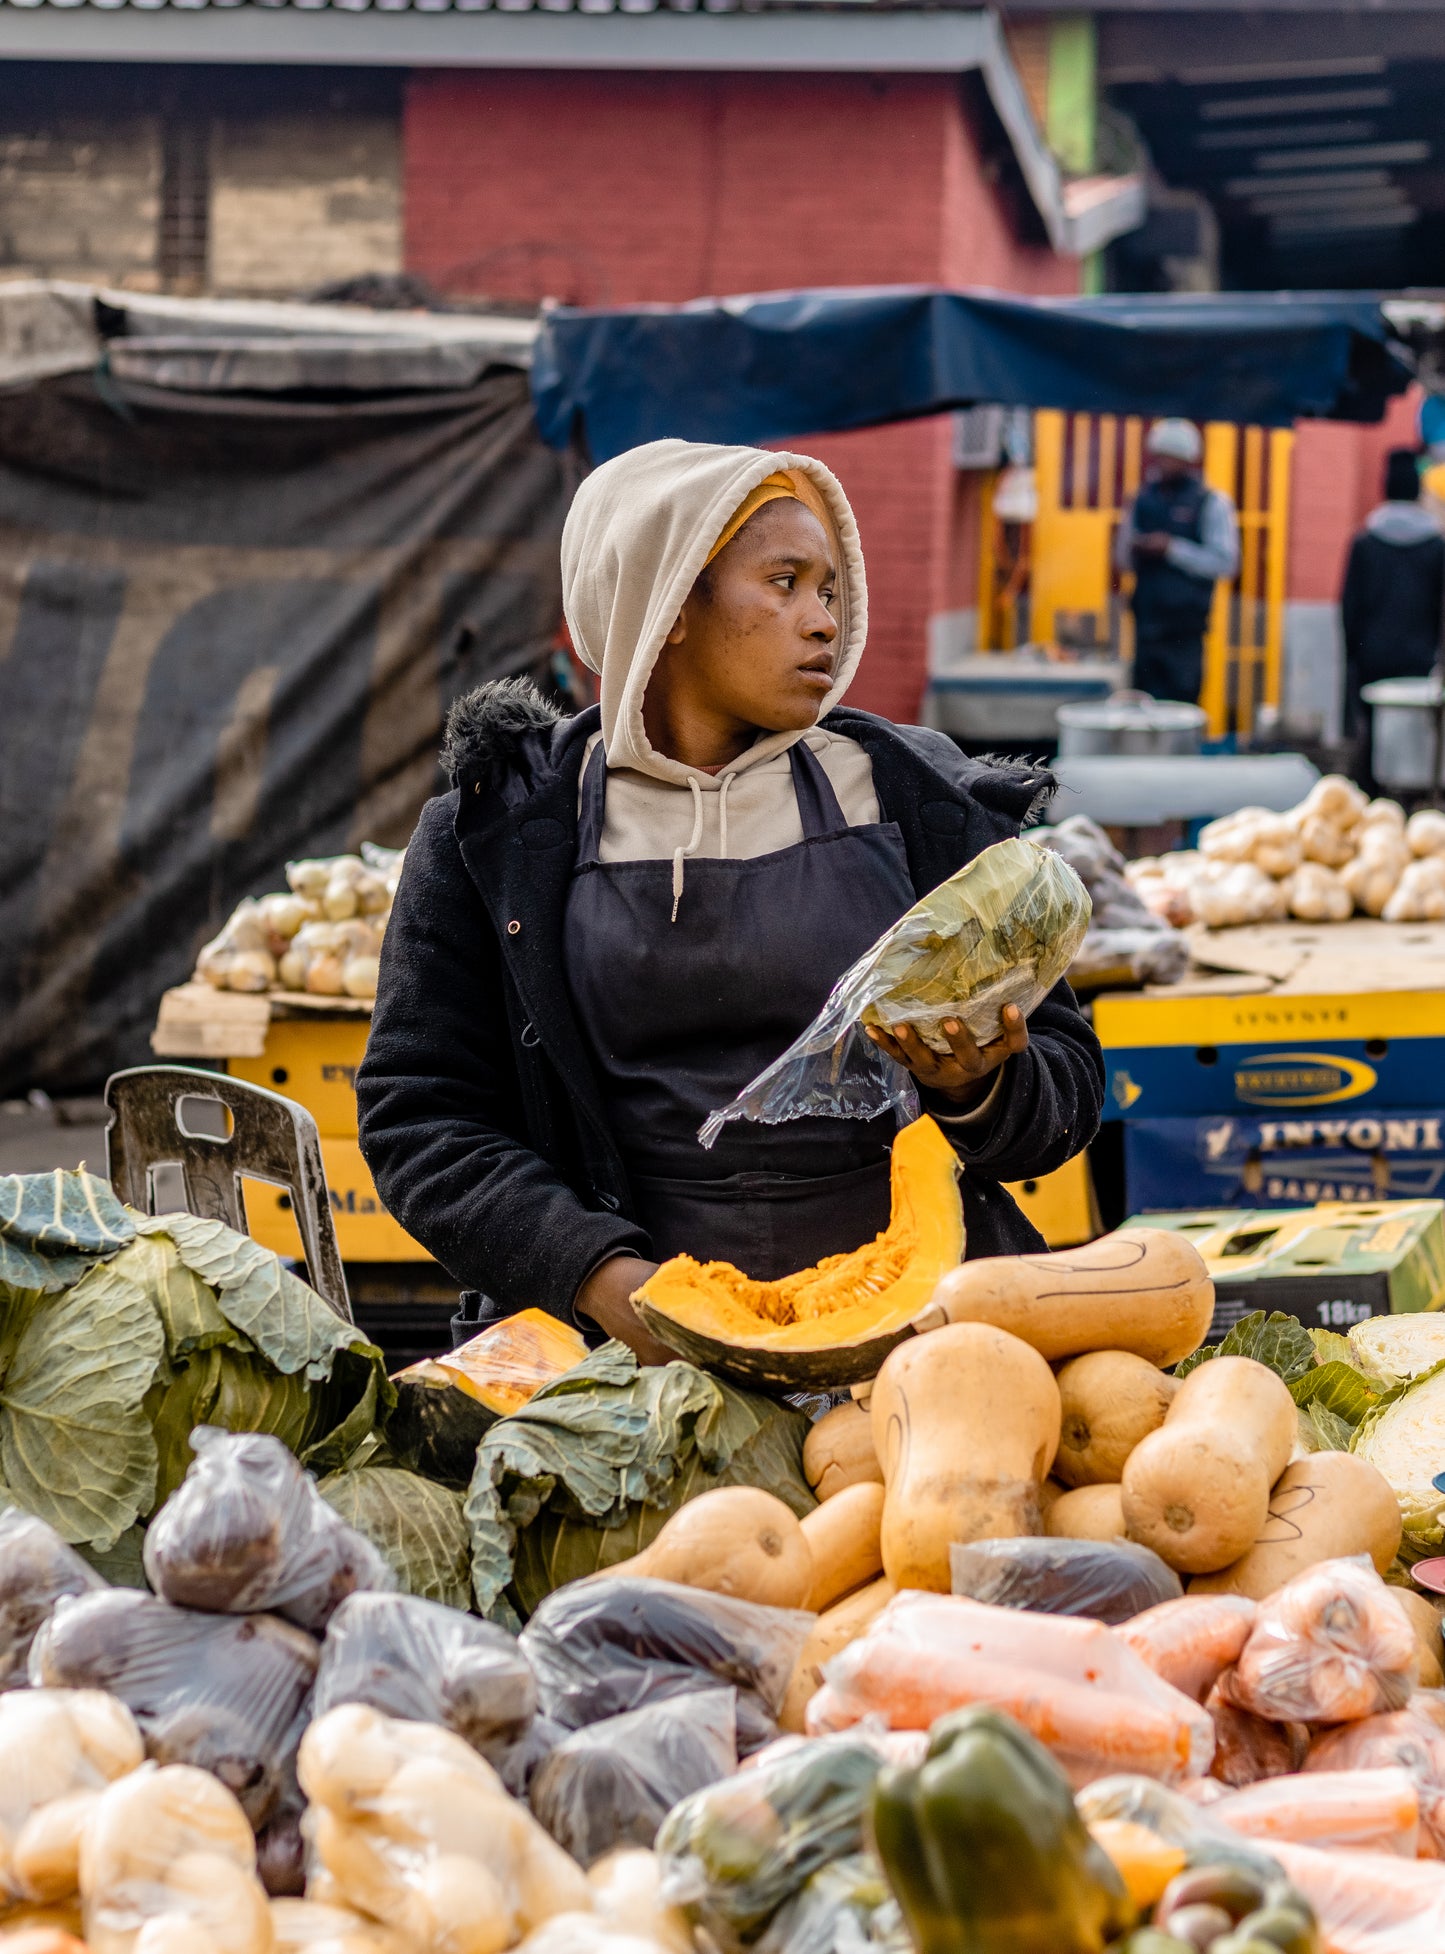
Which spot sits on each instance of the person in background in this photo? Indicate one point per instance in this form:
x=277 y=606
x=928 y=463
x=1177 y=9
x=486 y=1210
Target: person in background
x=1179 y=539
x=1391 y=602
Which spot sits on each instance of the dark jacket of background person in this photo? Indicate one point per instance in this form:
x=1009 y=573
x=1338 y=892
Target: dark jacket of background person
x=1393 y=592
x=1393 y=595
x=479 y=1110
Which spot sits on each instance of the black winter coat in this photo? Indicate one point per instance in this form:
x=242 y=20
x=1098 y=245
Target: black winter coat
x=1391 y=606
x=480 y=1112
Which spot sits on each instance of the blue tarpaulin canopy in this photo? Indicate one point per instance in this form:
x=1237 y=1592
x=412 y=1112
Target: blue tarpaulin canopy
x=793 y=363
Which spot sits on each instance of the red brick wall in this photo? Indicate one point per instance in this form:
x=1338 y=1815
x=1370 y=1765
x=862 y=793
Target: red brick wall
x=1335 y=482
x=630 y=188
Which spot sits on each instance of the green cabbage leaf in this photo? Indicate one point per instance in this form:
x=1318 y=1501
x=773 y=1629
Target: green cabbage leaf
x=416 y=1525
x=585 y=1475
x=161 y=1323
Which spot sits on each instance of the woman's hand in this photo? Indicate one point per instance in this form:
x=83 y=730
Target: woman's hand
x=964 y=1075
x=606 y=1296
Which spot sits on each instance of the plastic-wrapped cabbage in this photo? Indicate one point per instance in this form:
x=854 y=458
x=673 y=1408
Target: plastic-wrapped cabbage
x=124 y=1331
x=1403 y=1437
x=1002 y=931
x=587 y=1472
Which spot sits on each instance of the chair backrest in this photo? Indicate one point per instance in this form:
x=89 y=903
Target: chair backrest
x=182 y=1138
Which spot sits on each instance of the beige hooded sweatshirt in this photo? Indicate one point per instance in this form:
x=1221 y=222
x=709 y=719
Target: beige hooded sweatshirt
x=639 y=532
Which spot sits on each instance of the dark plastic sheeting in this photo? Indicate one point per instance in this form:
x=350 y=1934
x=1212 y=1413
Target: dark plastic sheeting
x=229 y=631
x=795 y=363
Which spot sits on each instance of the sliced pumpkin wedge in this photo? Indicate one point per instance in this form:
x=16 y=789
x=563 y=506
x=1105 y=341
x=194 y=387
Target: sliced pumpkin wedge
x=831 y=1325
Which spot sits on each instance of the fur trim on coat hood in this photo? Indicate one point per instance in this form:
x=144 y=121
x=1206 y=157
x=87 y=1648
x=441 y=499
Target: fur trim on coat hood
x=487 y=728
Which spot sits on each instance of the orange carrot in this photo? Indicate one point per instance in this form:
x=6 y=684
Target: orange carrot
x=1092 y=1731
x=1331 y=1646
x=1190 y=1642
x=1368 y=1902
x=1378 y=1810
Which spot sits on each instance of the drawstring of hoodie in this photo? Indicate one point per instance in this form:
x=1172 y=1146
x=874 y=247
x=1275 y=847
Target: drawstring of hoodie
x=694 y=840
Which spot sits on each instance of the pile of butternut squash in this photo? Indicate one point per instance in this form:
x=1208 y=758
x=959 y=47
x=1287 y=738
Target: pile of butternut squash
x=1035 y=1397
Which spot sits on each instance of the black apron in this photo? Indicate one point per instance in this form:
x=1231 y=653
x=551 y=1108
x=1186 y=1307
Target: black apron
x=682 y=1014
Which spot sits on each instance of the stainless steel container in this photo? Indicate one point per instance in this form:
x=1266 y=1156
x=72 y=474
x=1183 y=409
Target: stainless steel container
x=1405 y=730
x=1130 y=722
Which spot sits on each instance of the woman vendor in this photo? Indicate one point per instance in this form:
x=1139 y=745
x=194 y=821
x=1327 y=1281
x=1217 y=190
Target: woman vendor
x=615 y=921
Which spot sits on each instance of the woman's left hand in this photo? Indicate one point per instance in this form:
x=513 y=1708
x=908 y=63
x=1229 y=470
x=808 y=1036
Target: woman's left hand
x=963 y=1076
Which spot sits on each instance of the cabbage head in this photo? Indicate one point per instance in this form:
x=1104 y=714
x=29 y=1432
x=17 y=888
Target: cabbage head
x=121 y=1332
x=1404 y=1438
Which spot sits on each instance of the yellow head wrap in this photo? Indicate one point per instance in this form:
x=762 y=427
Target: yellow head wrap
x=787 y=485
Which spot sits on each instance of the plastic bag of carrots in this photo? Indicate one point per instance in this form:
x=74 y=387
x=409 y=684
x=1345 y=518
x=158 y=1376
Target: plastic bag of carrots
x=1410 y=1738
x=1331 y=1646
x=1375 y=1810
x=1369 y=1902
x=1072 y=1683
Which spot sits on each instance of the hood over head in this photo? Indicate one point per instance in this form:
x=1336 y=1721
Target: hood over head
x=1402 y=523
x=640 y=530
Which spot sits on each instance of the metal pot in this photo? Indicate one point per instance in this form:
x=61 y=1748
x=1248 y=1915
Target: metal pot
x=1130 y=722
x=1404 y=731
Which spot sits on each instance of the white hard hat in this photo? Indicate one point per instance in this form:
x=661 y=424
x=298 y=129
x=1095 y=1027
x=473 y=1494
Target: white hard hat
x=1178 y=439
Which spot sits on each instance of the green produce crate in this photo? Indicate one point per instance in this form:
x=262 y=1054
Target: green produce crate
x=1331 y=1265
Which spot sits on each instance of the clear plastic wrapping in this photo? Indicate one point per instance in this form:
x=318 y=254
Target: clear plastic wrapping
x=1369 y=1902
x=601 y=1647
x=308 y=1927
x=1192 y=1641
x=1375 y=1810
x=223 y=1692
x=247 y=1532
x=410 y=1826
x=172 y=1845
x=1248 y=1748
x=1108 y=1580
x=845 y=1908
x=736 y=1852
x=427 y=1663
x=1070 y=1682
x=1124 y=957
x=1087 y=849
x=37 y=1570
x=1175 y=1819
x=59 y=1749
x=627 y=1894
x=1409 y=1738
x=1003 y=930
x=1331 y=1646
x=612 y=1783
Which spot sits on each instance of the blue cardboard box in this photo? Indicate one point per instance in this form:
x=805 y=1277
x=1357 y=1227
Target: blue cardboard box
x=1284 y=1160
x=1259 y=1055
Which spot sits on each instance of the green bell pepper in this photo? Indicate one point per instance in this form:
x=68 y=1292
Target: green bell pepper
x=986 y=1852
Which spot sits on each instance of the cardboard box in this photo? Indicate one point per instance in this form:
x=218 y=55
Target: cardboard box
x=1331 y=1266
x=1285 y=1160
x=1168 y=1057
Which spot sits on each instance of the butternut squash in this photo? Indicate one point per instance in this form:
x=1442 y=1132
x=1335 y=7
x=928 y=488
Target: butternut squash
x=844 y=1536
x=839 y=1451
x=1321 y=1508
x=966 y=1422
x=1049 y=1493
x=1140 y=1289
x=1111 y=1399
x=1425 y=1621
x=734 y=1540
x=826 y=1326
x=832 y=1631
x=1087 y=1513
x=1197 y=1490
